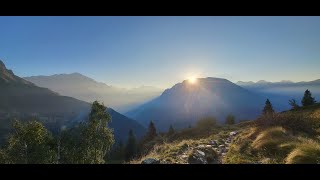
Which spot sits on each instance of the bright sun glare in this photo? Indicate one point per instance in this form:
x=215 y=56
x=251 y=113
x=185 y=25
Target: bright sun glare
x=192 y=80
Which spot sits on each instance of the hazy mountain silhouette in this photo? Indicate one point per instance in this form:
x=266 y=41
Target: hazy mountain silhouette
x=185 y=103
x=22 y=99
x=281 y=92
x=81 y=87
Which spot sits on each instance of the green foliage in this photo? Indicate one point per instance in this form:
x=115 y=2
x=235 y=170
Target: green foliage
x=207 y=123
x=147 y=141
x=307 y=99
x=30 y=143
x=117 y=154
x=293 y=104
x=230 y=120
x=131 y=146
x=152 y=132
x=295 y=122
x=268 y=109
x=89 y=142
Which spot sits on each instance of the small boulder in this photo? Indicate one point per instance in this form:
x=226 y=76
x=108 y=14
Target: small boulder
x=151 y=161
x=233 y=133
x=201 y=146
x=213 y=142
x=201 y=153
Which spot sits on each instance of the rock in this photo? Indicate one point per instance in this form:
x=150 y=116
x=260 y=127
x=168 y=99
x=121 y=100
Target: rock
x=151 y=161
x=205 y=155
x=201 y=146
x=196 y=160
x=233 y=133
x=213 y=142
x=223 y=150
x=223 y=154
x=184 y=156
x=201 y=153
x=265 y=161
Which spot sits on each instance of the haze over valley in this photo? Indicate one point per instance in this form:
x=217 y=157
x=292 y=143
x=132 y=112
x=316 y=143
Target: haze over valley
x=159 y=90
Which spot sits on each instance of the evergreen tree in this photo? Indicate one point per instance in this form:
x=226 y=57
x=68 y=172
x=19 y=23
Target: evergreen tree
x=307 y=99
x=230 y=119
x=268 y=108
x=293 y=104
x=152 y=132
x=117 y=154
x=131 y=146
x=171 y=131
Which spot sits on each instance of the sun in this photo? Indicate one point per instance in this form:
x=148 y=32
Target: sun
x=192 y=80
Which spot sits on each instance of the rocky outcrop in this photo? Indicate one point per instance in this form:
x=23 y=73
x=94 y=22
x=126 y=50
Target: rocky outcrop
x=203 y=154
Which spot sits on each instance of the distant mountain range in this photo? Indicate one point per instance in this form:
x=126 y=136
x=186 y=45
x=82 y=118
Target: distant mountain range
x=281 y=92
x=185 y=103
x=84 y=88
x=22 y=99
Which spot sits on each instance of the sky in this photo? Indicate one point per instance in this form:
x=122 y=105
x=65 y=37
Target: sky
x=162 y=51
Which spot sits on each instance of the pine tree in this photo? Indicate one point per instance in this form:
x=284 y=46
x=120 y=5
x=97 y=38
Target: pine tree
x=152 y=132
x=230 y=119
x=117 y=154
x=293 y=104
x=307 y=99
x=170 y=131
x=131 y=146
x=268 y=108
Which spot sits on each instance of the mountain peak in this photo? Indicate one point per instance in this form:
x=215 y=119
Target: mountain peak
x=8 y=76
x=262 y=81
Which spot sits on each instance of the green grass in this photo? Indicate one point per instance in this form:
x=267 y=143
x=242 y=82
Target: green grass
x=306 y=152
x=290 y=137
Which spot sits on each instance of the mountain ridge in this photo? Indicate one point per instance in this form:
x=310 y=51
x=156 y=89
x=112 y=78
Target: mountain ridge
x=87 y=89
x=185 y=103
x=24 y=100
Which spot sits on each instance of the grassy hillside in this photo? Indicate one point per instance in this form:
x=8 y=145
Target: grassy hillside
x=291 y=137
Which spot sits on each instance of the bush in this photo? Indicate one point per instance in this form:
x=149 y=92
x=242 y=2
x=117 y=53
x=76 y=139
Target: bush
x=290 y=121
x=207 y=123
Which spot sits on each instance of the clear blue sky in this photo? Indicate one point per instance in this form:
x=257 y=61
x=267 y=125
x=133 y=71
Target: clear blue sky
x=161 y=51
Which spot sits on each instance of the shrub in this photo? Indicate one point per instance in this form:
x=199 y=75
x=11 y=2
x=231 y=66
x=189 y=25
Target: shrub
x=290 y=121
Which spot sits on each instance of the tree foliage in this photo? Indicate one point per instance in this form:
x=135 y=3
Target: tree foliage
x=293 y=104
x=29 y=143
x=307 y=99
x=89 y=142
x=207 y=123
x=131 y=146
x=151 y=133
x=268 y=109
